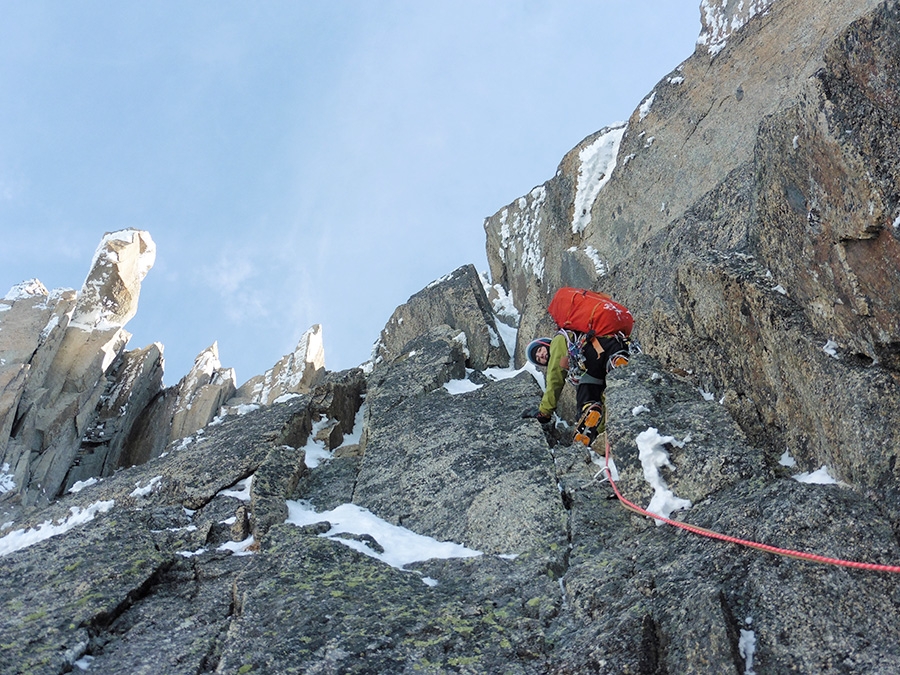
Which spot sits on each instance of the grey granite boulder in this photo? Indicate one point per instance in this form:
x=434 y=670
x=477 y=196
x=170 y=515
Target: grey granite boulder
x=457 y=300
x=462 y=467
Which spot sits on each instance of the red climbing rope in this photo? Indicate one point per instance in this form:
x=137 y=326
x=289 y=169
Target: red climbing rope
x=702 y=531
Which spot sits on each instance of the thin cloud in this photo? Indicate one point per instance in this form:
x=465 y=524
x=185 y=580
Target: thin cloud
x=238 y=284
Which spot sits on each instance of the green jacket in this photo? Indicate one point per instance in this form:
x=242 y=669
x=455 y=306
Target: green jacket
x=556 y=374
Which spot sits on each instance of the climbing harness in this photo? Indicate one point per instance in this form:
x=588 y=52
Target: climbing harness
x=703 y=532
x=575 y=347
x=575 y=343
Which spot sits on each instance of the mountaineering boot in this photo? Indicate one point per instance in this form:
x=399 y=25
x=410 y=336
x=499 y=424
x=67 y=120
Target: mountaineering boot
x=586 y=429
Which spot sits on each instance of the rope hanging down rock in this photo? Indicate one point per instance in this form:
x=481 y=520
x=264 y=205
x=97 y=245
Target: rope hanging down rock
x=703 y=532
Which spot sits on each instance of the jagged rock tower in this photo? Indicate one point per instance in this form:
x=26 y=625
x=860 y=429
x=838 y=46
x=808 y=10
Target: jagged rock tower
x=75 y=404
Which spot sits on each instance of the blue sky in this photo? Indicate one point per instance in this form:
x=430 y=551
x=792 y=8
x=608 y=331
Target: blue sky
x=298 y=162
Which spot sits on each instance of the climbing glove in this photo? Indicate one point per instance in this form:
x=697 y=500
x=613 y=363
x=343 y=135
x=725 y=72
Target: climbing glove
x=536 y=414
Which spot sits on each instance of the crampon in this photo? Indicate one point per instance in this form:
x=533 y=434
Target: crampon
x=587 y=428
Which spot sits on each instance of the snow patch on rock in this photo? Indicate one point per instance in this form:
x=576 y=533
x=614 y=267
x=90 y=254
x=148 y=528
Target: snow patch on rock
x=597 y=161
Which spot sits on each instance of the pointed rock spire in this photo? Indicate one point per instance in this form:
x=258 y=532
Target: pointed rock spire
x=201 y=393
x=57 y=348
x=295 y=373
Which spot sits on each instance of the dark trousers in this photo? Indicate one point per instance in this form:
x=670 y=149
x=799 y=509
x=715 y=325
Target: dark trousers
x=588 y=392
x=592 y=392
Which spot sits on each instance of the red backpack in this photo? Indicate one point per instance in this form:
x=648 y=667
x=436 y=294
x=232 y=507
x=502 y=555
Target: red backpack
x=585 y=311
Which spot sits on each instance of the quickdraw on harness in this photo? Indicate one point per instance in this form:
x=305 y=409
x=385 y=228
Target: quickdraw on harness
x=575 y=343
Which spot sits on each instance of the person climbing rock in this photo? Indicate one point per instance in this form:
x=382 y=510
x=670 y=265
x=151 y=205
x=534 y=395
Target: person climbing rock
x=587 y=371
x=583 y=355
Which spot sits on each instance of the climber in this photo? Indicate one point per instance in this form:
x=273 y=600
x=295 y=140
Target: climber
x=584 y=362
x=593 y=338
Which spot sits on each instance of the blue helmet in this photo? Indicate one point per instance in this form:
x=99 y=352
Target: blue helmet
x=532 y=348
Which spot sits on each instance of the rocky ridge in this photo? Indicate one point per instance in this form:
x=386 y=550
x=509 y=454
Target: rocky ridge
x=195 y=549
x=75 y=404
x=187 y=554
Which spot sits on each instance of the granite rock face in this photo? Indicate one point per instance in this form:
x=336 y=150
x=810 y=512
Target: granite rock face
x=201 y=393
x=192 y=563
x=195 y=560
x=458 y=300
x=295 y=373
x=133 y=381
x=57 y=350
x=76 y=405
x=747 y=215
x=465 y=468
